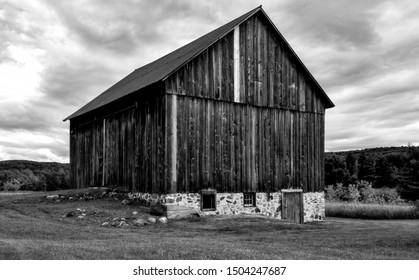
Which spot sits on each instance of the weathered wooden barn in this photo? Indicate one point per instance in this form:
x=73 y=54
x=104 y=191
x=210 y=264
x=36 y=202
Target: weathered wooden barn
x=232 y=122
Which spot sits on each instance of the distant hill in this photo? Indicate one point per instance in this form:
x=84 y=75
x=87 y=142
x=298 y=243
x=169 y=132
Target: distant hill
x=376 y=152
x=33 y=175
x=33 y=165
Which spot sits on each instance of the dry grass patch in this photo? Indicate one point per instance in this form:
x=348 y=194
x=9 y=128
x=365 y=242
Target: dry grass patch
x=371 y=211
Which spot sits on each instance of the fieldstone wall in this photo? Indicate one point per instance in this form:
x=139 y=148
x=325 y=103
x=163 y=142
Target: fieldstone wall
x=227 y=203
x=147 y=198
x=314 y=206
x=232 y=203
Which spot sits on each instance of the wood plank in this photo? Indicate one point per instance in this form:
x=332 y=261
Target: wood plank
x=237 y=64
x=250 y=63
x=258 y=62
x=206 y=74
x=243 y=63
x=218 y=72
x=264 y=63
x=230 y=66
x=211 y=72
x=173 y=143
x=211 y=144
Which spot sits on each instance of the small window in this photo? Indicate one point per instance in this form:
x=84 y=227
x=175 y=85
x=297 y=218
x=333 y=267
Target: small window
x=208 y=201
x=249 y=199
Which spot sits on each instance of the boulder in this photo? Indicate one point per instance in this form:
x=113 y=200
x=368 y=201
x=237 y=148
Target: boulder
x=175 y=212
x=158 y=210
x=105 y=224
x=55 y=196
x=152 y=220
x=139 y=222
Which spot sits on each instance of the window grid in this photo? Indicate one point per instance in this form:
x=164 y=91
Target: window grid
x=249 y=199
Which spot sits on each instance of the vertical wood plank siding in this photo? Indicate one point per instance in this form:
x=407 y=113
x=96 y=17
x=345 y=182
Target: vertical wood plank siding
x=248 y=149
x=127 y=152
x=204 y=129
x=268 y=77
x=263 y=128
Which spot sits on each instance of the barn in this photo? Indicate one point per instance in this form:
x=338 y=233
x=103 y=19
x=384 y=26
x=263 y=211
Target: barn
x=231 y=123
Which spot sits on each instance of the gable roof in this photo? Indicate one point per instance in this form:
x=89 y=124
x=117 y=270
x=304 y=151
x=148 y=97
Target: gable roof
x=161 y=68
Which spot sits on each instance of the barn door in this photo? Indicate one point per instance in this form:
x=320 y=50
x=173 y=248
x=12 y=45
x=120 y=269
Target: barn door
x=292 y=206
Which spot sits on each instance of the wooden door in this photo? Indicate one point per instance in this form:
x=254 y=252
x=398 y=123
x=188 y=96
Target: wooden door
x=292 y=206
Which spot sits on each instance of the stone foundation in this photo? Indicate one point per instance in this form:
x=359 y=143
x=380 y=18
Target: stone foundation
x=232 y=203
x=314 y=207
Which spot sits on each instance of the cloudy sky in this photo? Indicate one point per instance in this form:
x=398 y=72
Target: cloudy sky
x=57 y=55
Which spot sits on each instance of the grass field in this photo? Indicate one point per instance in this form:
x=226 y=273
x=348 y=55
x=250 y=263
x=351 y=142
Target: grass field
x=33 y=228
x=371 y=211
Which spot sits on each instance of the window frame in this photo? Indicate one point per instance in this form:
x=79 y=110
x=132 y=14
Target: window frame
x=252 y=197
x=211 y=193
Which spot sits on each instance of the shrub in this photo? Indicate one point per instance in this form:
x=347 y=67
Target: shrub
x=330 y=193
x=12 y=185
x=351 y=193
x=386 y=196
x=366 y=191
x=340 y=192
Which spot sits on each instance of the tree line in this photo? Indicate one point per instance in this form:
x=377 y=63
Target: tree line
x=18 y=175
x=391 y=167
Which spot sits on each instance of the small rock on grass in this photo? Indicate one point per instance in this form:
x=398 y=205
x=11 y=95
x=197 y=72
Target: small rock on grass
x=134 y=213
x=163 y=220
x=105 y=224
x=55 y=196
x=126 y=201
x=152 y=220
x=123 y=224
x=70 y=214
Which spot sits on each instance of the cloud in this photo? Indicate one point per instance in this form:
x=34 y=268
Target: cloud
x=342 y=24
x=122 y=27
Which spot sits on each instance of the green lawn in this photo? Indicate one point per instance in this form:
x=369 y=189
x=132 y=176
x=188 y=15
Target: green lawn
x=33 y=228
